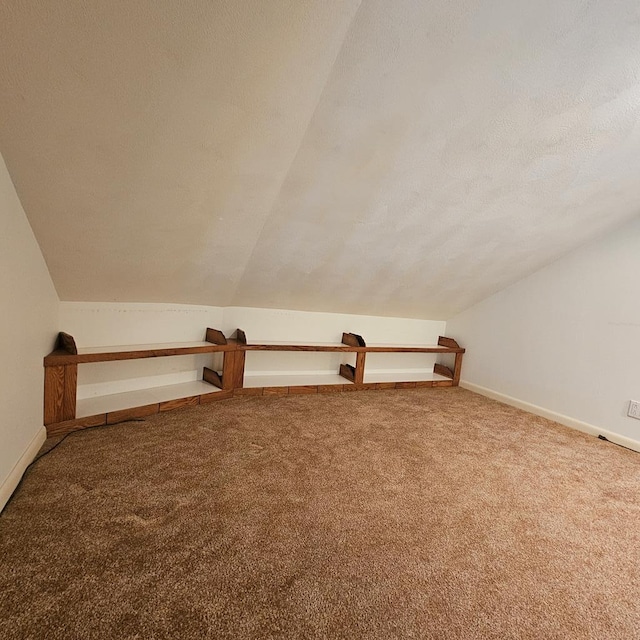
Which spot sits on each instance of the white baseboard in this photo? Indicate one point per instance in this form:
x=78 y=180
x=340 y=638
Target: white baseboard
x=567 y=421
x=15 y=475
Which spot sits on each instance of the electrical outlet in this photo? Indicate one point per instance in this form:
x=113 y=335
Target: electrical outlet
x=634 y=409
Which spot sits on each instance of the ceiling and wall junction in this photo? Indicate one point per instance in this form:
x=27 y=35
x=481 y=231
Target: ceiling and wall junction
x=401 y=158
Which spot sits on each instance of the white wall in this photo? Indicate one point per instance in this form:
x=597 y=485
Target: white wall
x=97 y=324
x=103 y=324
x=567 y=338
x=28 y=327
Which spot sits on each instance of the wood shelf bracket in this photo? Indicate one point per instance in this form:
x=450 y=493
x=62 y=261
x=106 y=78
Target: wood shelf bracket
x=212 y=377
x=215 y=336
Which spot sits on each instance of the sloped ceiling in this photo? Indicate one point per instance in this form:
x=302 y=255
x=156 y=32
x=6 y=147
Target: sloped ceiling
x=396 y=157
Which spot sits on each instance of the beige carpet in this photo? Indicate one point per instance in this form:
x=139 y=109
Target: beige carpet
x=377 y=515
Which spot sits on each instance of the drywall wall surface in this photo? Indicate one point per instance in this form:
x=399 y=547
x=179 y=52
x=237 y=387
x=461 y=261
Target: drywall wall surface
x=283 y=324
x=97 y=324
x=399 y=158
x=175 y=125
x=28 y=327
x=567 y=338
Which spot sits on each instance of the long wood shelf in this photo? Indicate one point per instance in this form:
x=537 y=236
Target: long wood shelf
x=120 y=407
x=273 y=345
x=66 y=351
x=409 y=348
x=295 y=346
x=156 y=395
x=63 y=414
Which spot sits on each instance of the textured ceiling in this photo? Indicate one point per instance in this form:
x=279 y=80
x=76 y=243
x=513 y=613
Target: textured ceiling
x=395 y=157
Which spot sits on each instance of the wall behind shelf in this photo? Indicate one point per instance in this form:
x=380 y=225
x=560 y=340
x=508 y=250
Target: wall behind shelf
x=100 y=324
x=28 y=327
x=306 y=326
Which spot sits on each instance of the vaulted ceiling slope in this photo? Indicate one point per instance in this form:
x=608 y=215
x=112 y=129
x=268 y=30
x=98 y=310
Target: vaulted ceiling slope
x=388 y=157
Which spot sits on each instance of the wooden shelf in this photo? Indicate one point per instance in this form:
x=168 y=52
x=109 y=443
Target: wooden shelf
x=67 y=353
x=133 y=352
x=61 y=379
x=119 y=401
x=410 y=348
x=63 y=414
x=337 y=347
x=294 y=346
x=120 y=407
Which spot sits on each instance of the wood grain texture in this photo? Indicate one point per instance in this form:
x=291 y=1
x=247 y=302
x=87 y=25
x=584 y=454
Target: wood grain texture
x=358 y=375
x=170 y=405
x=238 y=369
x=405 y=385
x=206 y=398
x=215 y=336
x=360 y=339
x=307 y=388
x=123 y=415
x=59 y=358
x=330 y=388
x=247 y=391
x=345 y=348
x=457 y=369
x=66 y=343
x=442 y=383
x=302 y=347
x=386 y=385
x=275 y=391
x=422 y=384
x=54 y=395
x=62 y=428
x=353 y=340
x=442 y=370
x=347 y=371
x=448 y=342
x=70 y=387
x=233 y=370
x=212 y=377
x=413 y=349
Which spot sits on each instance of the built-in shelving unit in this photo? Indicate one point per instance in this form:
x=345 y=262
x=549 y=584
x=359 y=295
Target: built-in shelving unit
x=63 y=413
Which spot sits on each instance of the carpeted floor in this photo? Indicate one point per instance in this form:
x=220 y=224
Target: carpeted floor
x=372 y=515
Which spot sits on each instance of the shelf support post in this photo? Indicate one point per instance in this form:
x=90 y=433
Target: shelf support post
x=359 y=372
x=233 y=370
x=457 y=369
x=60 y=383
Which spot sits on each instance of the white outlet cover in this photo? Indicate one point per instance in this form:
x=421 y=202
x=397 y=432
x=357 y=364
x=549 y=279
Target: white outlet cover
x=634 y=409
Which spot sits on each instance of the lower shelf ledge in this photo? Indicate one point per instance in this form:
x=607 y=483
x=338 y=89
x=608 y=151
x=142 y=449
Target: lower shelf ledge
x=156 y=395
x=339 y=388
x=119 y=407
x=336 y=384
